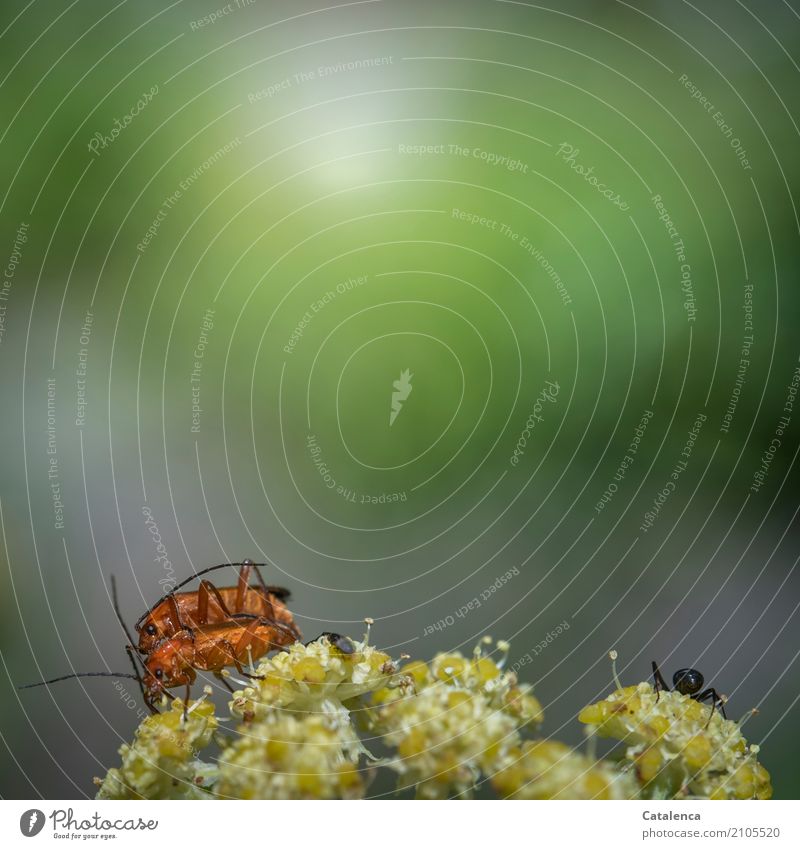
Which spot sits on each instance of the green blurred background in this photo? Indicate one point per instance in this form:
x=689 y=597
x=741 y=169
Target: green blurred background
x=448 y=159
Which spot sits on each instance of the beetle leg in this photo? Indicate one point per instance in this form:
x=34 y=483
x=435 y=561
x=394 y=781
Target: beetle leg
x=175 y=612
x=254 y=568
x=218 y=656
x=660 y=683
x=206 y=592
x=243 y=587
x=202 y=604
x=245 y=641
x=243 y=584
x=186 y=703
x=279 y=592
x=224 y=681
x=235 y=662
x=266 y=592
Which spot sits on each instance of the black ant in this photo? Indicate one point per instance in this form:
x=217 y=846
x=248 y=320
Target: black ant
x=689 y=682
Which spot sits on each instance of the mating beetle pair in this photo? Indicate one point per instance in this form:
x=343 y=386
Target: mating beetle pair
x=206 y=630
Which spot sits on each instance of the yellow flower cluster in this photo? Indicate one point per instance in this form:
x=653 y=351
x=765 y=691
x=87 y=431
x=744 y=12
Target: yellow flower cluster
x=162 y=762
x=547 y=769
x=309 y=756
x=478 y=675
x=453 y=721
x=678 y=747
x=445 y=738
x=317 y=677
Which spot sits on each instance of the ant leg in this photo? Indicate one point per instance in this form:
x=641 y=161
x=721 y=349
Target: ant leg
x=205 y=593
x=716 y=701
x=660 y=683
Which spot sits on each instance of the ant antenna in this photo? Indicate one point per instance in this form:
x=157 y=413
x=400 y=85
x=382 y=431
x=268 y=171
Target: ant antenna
x=79 y=675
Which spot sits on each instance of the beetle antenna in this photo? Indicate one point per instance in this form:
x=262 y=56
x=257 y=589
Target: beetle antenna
x=129 y=649
x=115 y=601
x=79 y=675
x=188 y=581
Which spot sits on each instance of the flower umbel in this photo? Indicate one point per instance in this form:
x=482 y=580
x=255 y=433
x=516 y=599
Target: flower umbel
x=162 y=762
x=450 y=726
x=678 y=746
x=453 y=721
